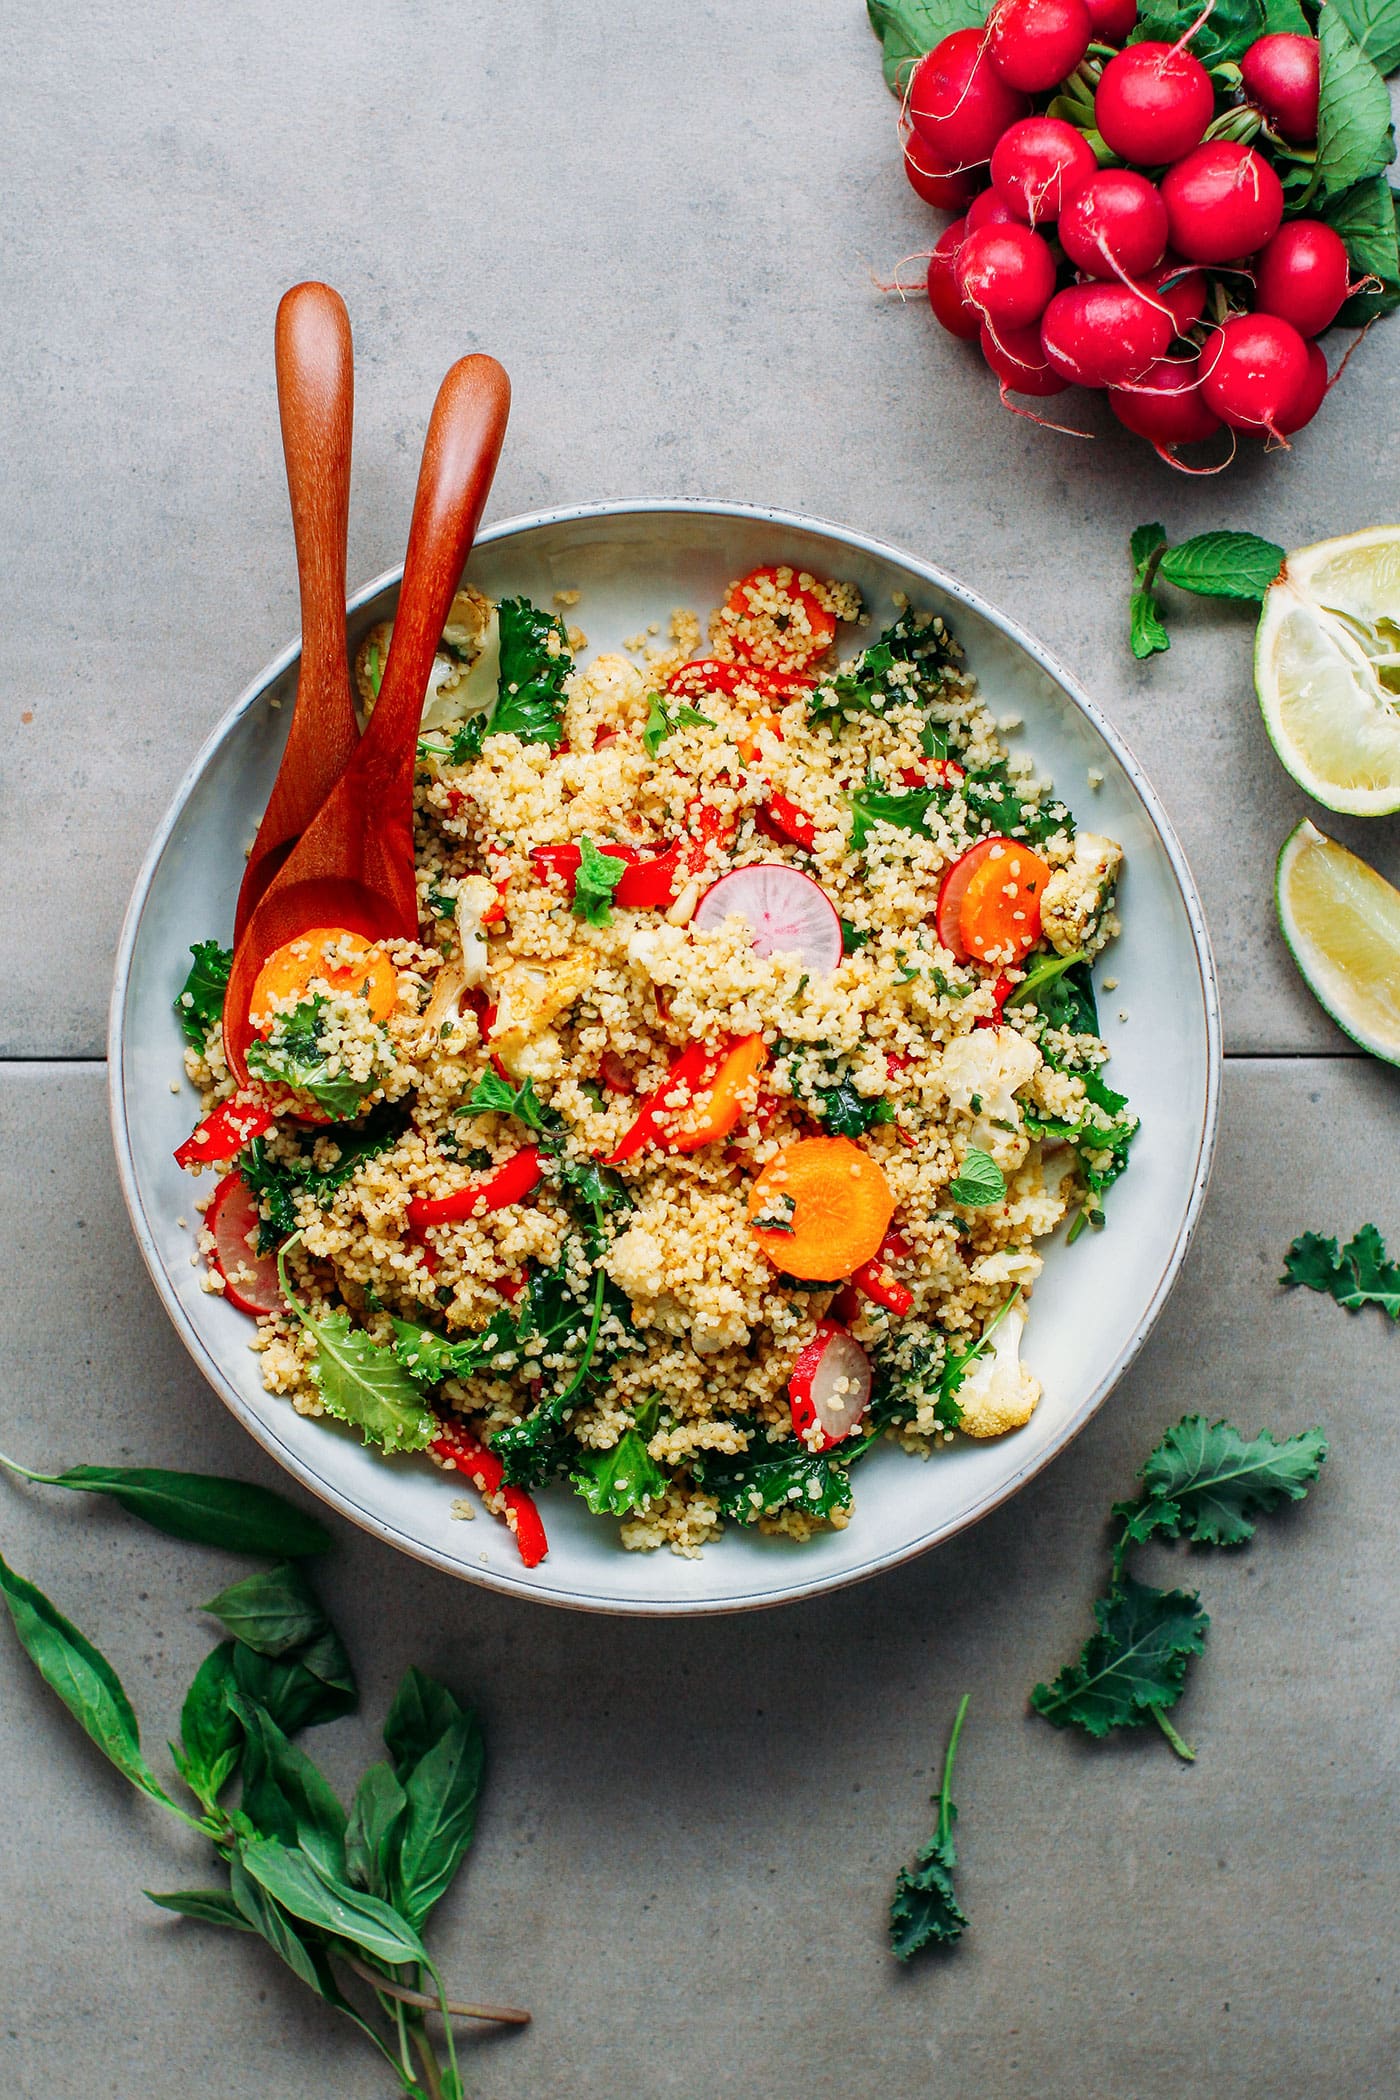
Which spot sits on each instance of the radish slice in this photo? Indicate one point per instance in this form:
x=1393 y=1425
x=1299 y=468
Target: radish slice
x=829 y=1386
x=952 y=891
x=788 y=912
x=250 y=1278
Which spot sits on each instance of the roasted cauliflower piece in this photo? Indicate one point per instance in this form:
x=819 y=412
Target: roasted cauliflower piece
x=529 y=995
x=982 y=1074
x=998 y=1393
x=1077 y=896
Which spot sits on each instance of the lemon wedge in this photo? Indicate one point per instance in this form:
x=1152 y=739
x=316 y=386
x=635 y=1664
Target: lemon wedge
x=1327 y=670
x=1341 y=921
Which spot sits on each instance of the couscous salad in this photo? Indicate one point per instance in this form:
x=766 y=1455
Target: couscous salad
x=704 y=1134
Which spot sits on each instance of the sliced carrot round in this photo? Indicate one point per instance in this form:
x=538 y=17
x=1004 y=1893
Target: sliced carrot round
x=821 y=1208
x=723 y=1103
x=772 y=620
x=1000 y=916
x=346 y=961
x=952 y=890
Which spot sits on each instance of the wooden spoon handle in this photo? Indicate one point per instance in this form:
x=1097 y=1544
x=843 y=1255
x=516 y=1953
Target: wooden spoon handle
x=465 y=434
x=316 y=397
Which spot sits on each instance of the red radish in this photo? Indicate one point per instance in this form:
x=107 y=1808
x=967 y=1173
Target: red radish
x=1314 y=392
x=950 y=309
x=1254 y=372
x=1112 y=21
x=1223 y=201
x=1281 y=75
x=788 y=913
x=1152 y=103
x=1007 y=273
x=958 y=102
x=829 y=1389
x=1180 y=288
x=1302 y=276
x=250 y=1278
x=1035 y=44
x=990 y=208
x=1165 y=406
x=1115 y=224
x=1037 y=164
x=1016 y=356
x=951 y=892
x=1104 y=334
x=948 y=188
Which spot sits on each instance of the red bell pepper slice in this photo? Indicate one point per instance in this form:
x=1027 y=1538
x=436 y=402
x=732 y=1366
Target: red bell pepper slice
x=459 y=1448
x=224 y=1132
x=693 y=1069
x=780 y=818
x=511 y=1183
x=874 y=1280
x=1001 y=992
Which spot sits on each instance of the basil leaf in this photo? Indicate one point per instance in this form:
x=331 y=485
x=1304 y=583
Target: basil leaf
x=272 y=1612
x=1365 y=217
x=1223 y=564
x=284 y=1795
x=203 y=1508
x=212 y=1906
x=440 y=1819
x=978 y=1182
x=598 y=876
x=422 y=1712
x=908 y=28
x=374 y=1831
x=200 y=1002
x=209 y=1734
x=305 y=1689
x=300 y=1887
x=1375 y=24
x=1354 y=137
x=82 y=1677
x=266 y=1916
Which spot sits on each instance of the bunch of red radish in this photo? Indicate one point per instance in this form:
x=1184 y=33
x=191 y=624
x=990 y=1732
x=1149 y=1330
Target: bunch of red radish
x=1158 y=267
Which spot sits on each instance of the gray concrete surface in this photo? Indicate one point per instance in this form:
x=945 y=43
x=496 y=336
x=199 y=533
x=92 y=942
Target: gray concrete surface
x=665 y=221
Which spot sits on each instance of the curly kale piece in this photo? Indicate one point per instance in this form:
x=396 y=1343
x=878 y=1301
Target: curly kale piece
x=925 y=1911
x=908 y=664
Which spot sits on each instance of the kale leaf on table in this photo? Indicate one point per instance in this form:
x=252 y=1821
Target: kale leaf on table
x=1358 y=1274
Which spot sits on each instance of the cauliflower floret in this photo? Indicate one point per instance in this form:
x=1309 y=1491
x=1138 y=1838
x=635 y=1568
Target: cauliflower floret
x=529 y=995
x=475 y=896
x=989 y=1067
x=999 y=1393
x=1076 y=896
x=465 y=671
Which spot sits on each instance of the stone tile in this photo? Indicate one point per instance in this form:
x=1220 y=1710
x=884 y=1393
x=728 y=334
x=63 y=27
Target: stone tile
x=667 y=222
x=691 y=1829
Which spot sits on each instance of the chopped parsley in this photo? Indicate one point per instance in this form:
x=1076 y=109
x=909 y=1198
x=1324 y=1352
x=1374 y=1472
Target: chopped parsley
x=535 y=665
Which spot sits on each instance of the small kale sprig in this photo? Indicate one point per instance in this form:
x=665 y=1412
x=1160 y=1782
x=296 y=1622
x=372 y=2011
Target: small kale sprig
x=200 y=1001
x=1204 y=1482
x=341 y=1899
x=907 y=666
x=294 y=1055
x=278 y=1182
x=1361 y=1273
x=925 y=1910
x=535 y=665
x=1212 y=564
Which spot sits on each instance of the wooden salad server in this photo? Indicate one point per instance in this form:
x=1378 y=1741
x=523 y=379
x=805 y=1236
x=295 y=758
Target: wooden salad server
x=353 y=866
x=316 y=396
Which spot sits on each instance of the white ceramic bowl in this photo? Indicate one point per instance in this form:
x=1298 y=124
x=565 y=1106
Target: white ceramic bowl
x=1094 y=1305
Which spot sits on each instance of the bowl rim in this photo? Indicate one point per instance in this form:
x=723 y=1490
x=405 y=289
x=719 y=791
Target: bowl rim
x=518 y=1584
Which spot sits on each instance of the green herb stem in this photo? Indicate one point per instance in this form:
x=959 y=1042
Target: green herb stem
x=945 y=1817
x=1179 y=1744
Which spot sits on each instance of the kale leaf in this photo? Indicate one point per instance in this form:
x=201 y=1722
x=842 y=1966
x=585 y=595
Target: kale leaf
x=768 y=1478
x=1061 y=987
x=201 y=1000
x=1358 y=1274
x=280 y=1181
x=360 y=1381
x=993 y=799
x=1207 y=1483
x=293 y=1055
x=908 y=664
x=625 y=1479
x=430 y=1357
x=535 y=666
x=925 y=1909
x=871 y=805
x=847 y=1113
x=1134 y=1667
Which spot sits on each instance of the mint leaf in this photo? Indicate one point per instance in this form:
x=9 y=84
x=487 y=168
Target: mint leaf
x=1207 y=1483
x=535 y=665
x=598 y=876
x=908 y=28
x=494 y=1096
x=925 y=1910
x=978 y=1182
x=1375 y=24
x=1354 y=137
x=661 y=723
x=1147 y=635
x=1222 y=564
x=200 y=1002
x=1359 y=1274
x=1133 y=1667
x=1365 y=217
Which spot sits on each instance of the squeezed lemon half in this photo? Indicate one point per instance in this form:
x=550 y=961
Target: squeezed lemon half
x=1341 y=921
x=1327 y=670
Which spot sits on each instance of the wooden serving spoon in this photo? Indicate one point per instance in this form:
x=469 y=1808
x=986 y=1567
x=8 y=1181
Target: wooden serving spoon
x=316 y=396
x=353 y=866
